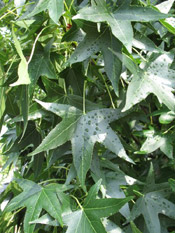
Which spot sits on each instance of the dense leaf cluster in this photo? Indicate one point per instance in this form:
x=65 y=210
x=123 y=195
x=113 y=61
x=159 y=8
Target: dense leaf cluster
x=87 y=111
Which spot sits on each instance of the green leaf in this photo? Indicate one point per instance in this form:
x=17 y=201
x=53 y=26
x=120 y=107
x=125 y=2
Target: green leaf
x=137 y=13
x=41 y=65
x=169 y=24
x=88 y=217
x=167 y=117
x=59 y=153
x=12 y=159
x=55 y=8
x=35 y=198
x=25 y=105
x=99 y=12
x=130 y=64
x=111 y=227
x=23 y=75
x=2 y=93
x=63 y=131
x=59 y=135
x=113 y=185
x=151 y=186
x=74 y=78
x=77 y=101
x=103 y=41
x=19 y=4
x=172 y=184
x=165 y=7
x=5 y=7
x=83 y=131
x=52 y=88
x=150 y=206
x=119 y=20
x=134 y=228
x=35 y=112
x=92 y=194
x=158 y=79
x=153 y=142
x=91 y=128
x=46 y=220
x=144 y=43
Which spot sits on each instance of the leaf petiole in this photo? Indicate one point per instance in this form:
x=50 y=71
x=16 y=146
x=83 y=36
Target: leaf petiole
x=81 y=207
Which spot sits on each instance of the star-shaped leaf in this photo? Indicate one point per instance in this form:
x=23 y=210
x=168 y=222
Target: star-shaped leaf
x=55 y=8
x=41 y=65
x=84 y=130
x=87 y=218
x=157 y=78
x=120 y=20
x=91 y=128
x=35 y=198
x=152 y=203
x=95 y=41
x=150 y=206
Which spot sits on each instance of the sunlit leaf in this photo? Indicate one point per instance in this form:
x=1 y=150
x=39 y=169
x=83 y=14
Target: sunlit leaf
x=23 y=75
x=158 y=79
x=120 y=20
